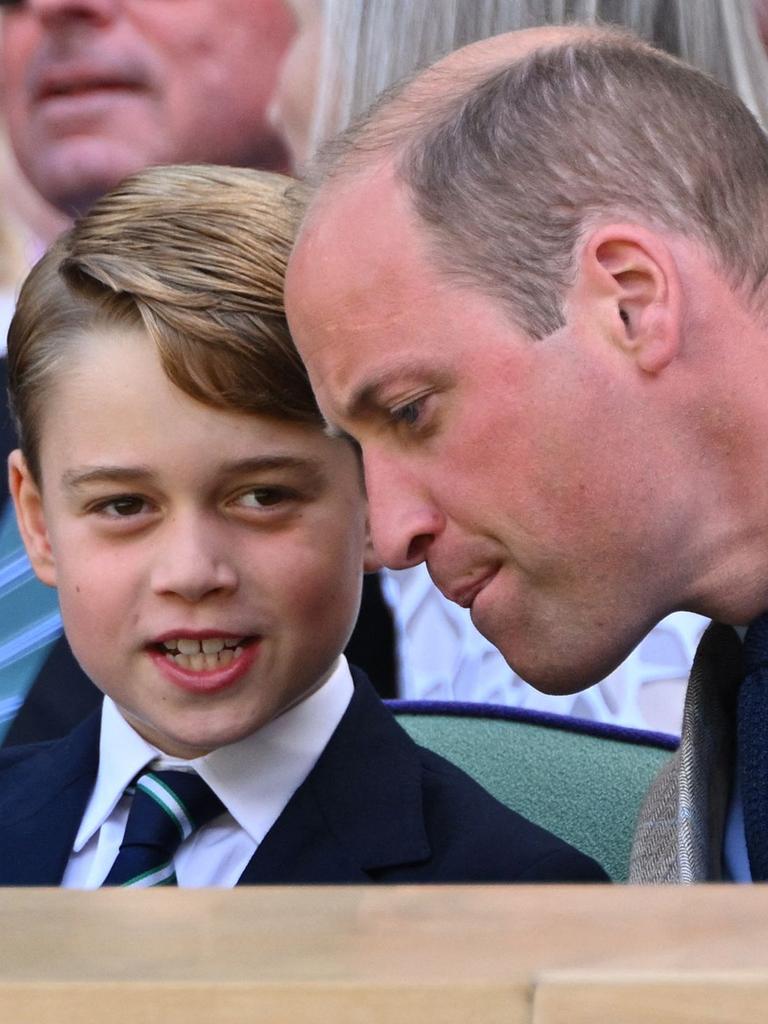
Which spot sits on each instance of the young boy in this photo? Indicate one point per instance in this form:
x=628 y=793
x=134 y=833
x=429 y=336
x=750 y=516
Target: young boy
x=207 y=539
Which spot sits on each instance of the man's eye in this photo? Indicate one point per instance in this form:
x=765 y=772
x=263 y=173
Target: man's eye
x=125 y=505
x=408 y=414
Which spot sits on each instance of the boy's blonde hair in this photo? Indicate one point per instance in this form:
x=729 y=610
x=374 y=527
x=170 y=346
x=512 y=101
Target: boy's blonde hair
x=195 y=256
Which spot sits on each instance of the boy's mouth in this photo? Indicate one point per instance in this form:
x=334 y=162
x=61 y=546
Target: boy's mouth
x=205 y=655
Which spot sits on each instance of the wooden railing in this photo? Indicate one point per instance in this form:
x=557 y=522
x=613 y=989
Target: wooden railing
x=426 y=955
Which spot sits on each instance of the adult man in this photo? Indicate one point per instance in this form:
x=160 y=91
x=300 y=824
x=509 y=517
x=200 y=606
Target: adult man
x=94 y=90
x=518 y=287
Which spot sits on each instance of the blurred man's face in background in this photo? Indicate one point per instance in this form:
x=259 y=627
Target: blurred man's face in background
x=98 y=89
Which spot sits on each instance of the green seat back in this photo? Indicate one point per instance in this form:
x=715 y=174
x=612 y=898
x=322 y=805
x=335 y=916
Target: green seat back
x=583 y=781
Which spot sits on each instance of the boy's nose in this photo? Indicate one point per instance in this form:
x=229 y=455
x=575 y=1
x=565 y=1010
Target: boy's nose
x=404 y=520
x=192 y=563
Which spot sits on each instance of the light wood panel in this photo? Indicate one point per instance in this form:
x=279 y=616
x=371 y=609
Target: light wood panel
x=443 y=955
x=596 y=998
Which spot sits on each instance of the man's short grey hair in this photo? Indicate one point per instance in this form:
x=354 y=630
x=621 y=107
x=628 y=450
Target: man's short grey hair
x=367 y=45
x=508 y=172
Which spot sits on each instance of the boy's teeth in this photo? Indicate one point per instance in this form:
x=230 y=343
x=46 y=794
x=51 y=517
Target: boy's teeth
x=190 y=647
x=204 y=661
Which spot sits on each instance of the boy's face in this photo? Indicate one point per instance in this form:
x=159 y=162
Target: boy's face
x=166 y=524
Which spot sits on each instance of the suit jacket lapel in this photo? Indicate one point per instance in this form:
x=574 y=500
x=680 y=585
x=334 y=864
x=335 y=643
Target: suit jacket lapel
x=42 y=799
x=679 y=835
x=360 y=809
x=707 y=755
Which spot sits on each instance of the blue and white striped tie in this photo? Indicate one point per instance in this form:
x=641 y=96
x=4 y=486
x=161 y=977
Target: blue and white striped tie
x=167 y=808
x=30 y=622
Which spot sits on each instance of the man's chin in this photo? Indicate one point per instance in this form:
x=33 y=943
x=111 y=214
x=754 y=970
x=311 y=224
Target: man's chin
x=559 y=676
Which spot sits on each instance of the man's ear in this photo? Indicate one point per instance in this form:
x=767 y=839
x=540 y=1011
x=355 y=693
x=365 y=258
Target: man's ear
x=629 y=278
x=28 y=502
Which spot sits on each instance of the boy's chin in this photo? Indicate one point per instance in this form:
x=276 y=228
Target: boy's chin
x=194 y=740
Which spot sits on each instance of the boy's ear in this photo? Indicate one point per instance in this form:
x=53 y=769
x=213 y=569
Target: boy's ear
x=630 y=281
x=28 y=502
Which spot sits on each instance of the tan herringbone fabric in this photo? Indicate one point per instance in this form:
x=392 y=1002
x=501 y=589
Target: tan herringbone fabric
x=679 y=835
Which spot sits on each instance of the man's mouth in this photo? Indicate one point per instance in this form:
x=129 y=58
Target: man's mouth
x=465 y=593
x=204 y=655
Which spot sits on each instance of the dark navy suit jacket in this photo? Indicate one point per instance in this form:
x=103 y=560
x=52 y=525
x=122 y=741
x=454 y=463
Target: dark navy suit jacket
x=375 y=808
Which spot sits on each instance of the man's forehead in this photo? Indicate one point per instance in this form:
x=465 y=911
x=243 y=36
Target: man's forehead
x=360 y=281
x=366 y=180
x=360 y=239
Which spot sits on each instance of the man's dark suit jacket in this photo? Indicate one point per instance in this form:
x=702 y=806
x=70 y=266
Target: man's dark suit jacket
x=375 y=808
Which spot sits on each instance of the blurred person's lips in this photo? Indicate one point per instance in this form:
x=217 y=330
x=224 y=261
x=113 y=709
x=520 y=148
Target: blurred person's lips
x=80 y=97
x=76 y=80
x=67 y=84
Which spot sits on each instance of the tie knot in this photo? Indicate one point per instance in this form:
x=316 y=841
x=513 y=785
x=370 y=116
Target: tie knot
x=187 y=801
x=167 y=808
x=756 y=645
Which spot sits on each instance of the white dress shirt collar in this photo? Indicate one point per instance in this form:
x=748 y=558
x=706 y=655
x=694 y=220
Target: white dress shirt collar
x=254 y=778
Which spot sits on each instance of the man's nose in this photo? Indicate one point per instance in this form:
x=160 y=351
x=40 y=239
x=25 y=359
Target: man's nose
x=404 y=519
x=192 y=562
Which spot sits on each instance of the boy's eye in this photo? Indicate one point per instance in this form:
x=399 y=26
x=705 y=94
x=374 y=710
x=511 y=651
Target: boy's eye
x=264 y=497
x=123 y=506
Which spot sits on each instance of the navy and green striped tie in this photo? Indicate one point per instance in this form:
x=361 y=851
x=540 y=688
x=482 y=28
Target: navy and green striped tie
x=167 y=808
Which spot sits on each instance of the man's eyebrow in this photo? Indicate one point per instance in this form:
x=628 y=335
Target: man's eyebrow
x=366 y=396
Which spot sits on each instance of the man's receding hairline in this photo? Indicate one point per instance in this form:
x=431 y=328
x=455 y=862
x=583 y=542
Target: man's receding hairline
x=412 y=107
x=504 y=165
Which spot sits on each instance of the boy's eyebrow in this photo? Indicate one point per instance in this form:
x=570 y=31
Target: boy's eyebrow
x=74 y=478
x=81 y=477
x=314 y=472
x=280 y=461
